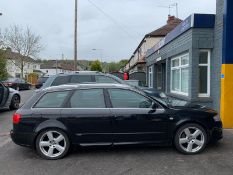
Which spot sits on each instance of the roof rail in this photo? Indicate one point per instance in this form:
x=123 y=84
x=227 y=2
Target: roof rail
x=77 y=72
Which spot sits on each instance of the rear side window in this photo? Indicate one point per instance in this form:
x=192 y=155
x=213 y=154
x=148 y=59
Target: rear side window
x=61 y=80
x=104 y=79
x=88 y=98
x=81 y=79
x=52 y=100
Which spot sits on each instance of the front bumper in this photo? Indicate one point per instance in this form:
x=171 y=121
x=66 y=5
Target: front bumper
x=216 y=132
x=23 y=139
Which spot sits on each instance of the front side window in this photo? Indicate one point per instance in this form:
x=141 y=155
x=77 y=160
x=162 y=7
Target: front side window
x=128 y=99
x=204 y=73
x=180 y=74
x=104 y=79
x=81 y=79
x=88 y=98
x=52 y=100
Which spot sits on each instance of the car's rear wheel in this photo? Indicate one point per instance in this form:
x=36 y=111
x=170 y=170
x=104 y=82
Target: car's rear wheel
x=15 y=101
x=52 y=144
x=191 y=138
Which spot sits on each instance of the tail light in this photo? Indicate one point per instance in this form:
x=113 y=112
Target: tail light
x=126 y=76
x=16 y=118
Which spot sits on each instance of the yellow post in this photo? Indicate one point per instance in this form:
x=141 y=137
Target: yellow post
x=227 y=95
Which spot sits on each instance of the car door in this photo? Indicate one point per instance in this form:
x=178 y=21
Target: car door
x=4 y=94
x=135 y=121
x=88 y=118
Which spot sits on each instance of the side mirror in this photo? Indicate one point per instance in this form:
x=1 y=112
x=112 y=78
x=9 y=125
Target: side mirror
x=154 y=105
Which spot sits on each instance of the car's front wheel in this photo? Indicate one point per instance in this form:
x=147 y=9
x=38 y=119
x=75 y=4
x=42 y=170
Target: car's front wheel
x=52 y=144
x=191 y=138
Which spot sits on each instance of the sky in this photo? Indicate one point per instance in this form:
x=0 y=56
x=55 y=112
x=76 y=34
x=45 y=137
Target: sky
x=113 y=28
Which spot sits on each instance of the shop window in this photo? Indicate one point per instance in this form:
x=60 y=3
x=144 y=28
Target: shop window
x=159 y=76
x=204 y=73
x=180 y=75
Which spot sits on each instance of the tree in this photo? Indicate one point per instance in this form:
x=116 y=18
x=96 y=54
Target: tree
x=116 y=66
x=23 y=42
x=3 y=71
x=96 y=66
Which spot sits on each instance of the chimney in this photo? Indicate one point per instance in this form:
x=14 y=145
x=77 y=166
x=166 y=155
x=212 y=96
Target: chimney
x=171 y=19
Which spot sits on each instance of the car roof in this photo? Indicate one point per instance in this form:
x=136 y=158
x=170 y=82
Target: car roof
x=78 y=73
x=86 y=85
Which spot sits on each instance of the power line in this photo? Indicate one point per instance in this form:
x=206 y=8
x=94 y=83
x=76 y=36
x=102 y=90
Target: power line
x=120 y=26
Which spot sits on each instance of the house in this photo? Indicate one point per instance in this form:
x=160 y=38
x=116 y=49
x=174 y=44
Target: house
x=185 y=64
x=137 y=62
x=53 y=67
x=14 y=64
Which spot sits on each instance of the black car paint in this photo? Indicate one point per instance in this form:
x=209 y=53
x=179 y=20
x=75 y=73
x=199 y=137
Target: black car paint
x=17 y=83
x=110 y=126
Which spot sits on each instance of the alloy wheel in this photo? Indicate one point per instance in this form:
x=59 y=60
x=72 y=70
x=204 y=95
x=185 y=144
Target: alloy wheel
x=191 y=139
x=52 y=144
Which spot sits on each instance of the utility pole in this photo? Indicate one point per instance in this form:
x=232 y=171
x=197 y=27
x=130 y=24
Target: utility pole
x=75 y=34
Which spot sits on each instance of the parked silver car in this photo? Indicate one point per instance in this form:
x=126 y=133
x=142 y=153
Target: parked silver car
x=9 y=98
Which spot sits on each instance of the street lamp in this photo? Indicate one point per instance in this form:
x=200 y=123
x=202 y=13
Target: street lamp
x=101 y=55
x=100 y=51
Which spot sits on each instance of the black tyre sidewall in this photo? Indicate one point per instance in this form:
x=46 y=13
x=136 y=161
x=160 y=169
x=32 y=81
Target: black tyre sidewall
x=176 y=138
x=53 y=158
x=12 y=105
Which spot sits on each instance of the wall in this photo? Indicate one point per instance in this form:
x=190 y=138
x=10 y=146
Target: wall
x=189 y=42
x=217 y=54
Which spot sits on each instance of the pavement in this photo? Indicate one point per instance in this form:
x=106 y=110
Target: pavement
x=15 y=160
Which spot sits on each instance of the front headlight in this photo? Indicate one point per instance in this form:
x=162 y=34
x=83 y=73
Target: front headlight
x=217 y=118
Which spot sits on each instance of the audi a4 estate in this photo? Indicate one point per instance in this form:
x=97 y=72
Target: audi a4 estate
x=58 y=117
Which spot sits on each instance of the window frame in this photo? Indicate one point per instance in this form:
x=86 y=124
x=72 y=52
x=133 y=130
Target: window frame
x=179 y=67
x=150 y=76
x=208 y=73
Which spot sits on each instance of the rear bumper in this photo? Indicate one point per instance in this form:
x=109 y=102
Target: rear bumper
x=23 y=139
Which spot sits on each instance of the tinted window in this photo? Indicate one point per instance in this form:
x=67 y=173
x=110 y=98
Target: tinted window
x=81 y=78
x=128 y=99
x=42 y=79
x=60 y=80
x=88 y=98
x=52 y=100
x=104 y=79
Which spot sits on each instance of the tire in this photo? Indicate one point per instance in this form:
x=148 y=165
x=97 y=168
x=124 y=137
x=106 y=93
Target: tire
x=15 y=101
x=47 y=146
x=190 y=139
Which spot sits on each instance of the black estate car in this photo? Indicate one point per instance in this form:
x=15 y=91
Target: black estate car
x=17 y=84
x=109 y=114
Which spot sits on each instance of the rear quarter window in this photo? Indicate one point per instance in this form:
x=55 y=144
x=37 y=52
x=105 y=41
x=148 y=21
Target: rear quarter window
x=52 y=100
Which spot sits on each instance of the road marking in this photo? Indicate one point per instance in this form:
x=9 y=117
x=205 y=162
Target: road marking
x=5 y=142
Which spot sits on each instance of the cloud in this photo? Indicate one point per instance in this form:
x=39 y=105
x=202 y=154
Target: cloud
x=117 y=31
